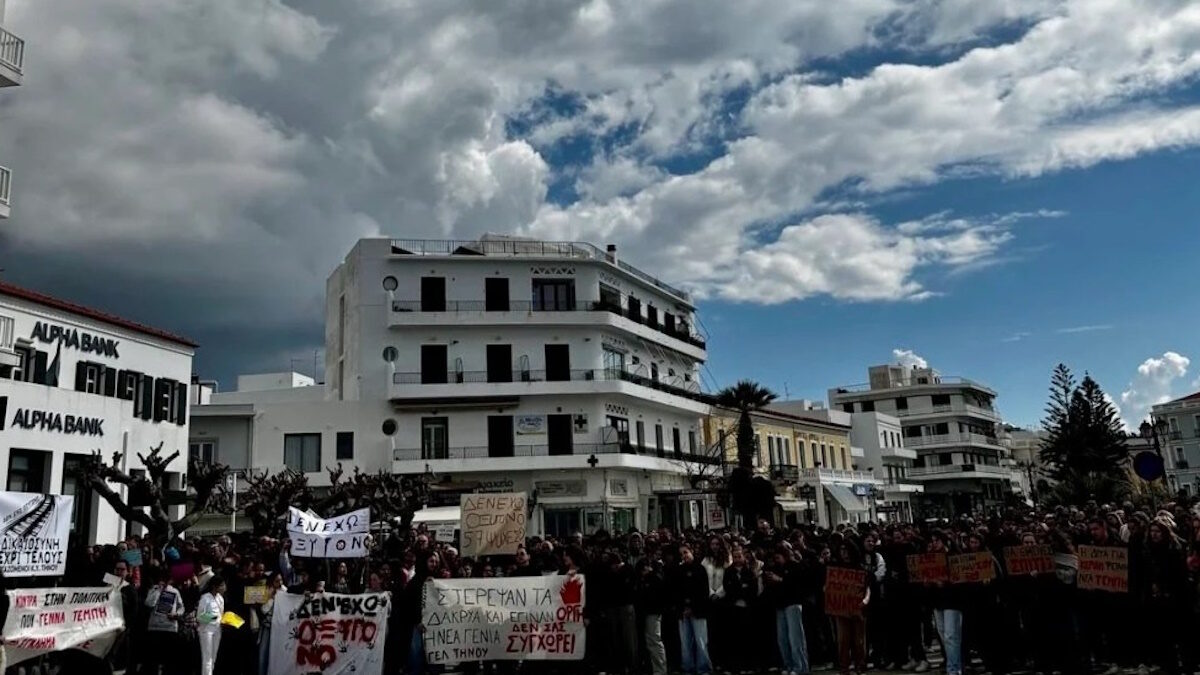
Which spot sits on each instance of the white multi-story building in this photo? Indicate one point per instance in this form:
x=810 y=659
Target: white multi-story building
x=12 y=59
x=499 y=364
x=877 y=442
x=74 y=381
x=1177 y=426
x=951 y=424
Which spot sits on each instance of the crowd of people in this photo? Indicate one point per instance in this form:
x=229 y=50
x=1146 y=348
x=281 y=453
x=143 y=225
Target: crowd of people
x=704 y=602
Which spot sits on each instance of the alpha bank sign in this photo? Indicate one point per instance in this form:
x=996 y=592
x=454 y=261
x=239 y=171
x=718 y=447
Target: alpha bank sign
x=73 y=338
x=51 y=421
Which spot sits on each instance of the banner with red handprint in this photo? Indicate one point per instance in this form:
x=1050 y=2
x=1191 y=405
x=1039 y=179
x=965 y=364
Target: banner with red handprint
x=510 y=619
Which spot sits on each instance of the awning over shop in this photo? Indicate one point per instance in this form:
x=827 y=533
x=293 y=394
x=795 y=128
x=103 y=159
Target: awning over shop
x=846 y=498
x=438 y=514
x=793 y=505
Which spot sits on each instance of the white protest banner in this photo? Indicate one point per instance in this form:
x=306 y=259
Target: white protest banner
x=329 y=633
x=343 y=536
x=33 y=533
x=492 y=524
x=509 y=619
x=44 y=620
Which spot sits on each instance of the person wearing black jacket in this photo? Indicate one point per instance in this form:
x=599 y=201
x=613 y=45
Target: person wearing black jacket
x=947 y=603
x=1165 y=592
x=689 y=592
x=902 y=608
x=650 y=598
x=741 y=591
x=783 y=587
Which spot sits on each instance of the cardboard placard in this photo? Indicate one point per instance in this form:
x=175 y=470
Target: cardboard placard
x=343 y=536
x=971 y=568
x=255 y=595
x=329 y=633
x=510 y=619
x=492 y=524
x=133 y=557
x=1026 y=560
x=844 y=591
x=1103 y=568
x=928 y=568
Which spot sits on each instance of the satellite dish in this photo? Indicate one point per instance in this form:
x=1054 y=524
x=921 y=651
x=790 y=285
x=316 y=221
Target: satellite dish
x=1148 y=466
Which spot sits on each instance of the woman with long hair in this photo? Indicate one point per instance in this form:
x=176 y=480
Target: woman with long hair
x=1165 y=586
x=208 y=615
x=716 y=560
x=852 y=630
x=947 y=610
x=274 y=587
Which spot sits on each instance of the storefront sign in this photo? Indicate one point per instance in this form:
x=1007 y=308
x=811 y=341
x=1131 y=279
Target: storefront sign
x=496 y=485
x=928 y=568
x=530 y=424
x=45 y=420
x=73 y=338
x=561 y=488
x=716 y=516
x=862 y=490
x=971 y=568
x=33 y=533
x=580 y=423
x=344 y=536
x=1023 y=560
x=45 y=620
x=618 y=487
x=1103 y=568
x=492 y=524
x=329 y=633
x=512 y=619
x=845 y=589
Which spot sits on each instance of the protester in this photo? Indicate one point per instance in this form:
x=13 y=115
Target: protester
x=691 y=594
x=209 y=613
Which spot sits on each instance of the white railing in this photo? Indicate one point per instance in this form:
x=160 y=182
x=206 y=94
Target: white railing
x=12 y=50
x=7 y=331
x=941 y=439
x=838 y=474
x=990 y=469
x=5 y=184
x=948 y=408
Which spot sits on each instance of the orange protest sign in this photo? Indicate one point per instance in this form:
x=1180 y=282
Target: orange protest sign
x=1023 y=560
x=1103 y=568
x=844 y=591
x=971 y=568
x=928 y=568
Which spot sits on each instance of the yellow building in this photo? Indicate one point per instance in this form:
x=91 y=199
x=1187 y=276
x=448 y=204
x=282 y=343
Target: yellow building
x=805 y=458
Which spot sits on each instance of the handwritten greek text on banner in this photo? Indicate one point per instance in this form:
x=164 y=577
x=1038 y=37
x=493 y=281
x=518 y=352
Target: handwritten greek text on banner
x=492 y=524
x=329 y=633
x=516 y=618
x=343 y=536
x=44 y=620
x=33 y=533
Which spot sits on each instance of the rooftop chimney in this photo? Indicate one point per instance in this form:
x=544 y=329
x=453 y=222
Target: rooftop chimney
x=611 y=250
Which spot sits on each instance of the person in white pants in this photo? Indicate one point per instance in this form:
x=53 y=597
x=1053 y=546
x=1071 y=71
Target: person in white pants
x=208 y=616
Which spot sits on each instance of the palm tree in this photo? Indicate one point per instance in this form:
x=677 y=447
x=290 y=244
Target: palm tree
x=746 y=397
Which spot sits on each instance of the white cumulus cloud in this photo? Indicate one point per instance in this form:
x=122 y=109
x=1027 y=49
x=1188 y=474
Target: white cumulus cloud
x=908 y=358
x=1152 y=384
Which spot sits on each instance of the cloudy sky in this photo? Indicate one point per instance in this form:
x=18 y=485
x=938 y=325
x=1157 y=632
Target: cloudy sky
x=992 y=186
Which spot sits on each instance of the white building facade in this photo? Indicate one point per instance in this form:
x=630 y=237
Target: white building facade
x=951 y=424
x=74 y=381
x=12 y=60
x=1177 y=425
x=499 y=364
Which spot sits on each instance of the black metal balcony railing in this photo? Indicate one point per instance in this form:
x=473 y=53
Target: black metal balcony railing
x=689 y=390
x=679 y=331
x=785 y=473
x=542 y=450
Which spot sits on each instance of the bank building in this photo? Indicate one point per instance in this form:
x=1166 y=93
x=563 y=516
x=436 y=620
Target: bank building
x=500 y=364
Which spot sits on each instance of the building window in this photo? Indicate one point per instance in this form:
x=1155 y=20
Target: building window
x=28 y=471
x=868 y=406
x=202 y=452
x=654 y=372
x=553 y=295
x=757 y=449
x=845 y=459
x=658 y=438
x=692 y=442
x=940 y=399
x=641 y=434
x=787 y=451
x=901 y=403
x=302 y=452
x=824 y=459
x=676 y=441
x=944 y=459
x=800 y=453
x=771 y=450
x=621 y=425
x=614 y=361
x=345 y=445
x=848 y=407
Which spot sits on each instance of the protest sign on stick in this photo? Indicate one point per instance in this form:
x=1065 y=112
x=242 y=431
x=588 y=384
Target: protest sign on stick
x=492 y=524
x=343 y=536
x=844 y=591
x=510 y=619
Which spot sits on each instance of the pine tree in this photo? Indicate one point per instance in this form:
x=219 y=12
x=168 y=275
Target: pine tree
x=1084 y=447
x=1059 y=430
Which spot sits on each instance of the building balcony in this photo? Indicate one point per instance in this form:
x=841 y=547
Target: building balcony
x=785 y=473
x=958 y=471
x=899 y=453
x=12 y=58
x=420 y=389
x=679 y=336
x=902 y=486
x=5 y=189
x=844 y=476
x=949 y=409
x=542 y=457
x=955 y=439
x=8 y=354
x=525 y=248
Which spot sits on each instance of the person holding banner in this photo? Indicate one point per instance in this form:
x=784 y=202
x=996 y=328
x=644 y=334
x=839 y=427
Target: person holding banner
x=166 y=608
x=208 y=615
x=274 y=587
x=849 y=620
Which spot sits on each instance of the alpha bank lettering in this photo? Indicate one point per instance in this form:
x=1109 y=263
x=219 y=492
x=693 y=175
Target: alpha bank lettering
x=73 y=338
x=160 y=399
x=45 y=420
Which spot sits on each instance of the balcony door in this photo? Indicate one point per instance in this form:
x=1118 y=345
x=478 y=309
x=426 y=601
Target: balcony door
x=558 y=363
x=434 y=434
x=500 y=436
x=434 y=364
x=433 y=294
x=495 y=291
x=553 y=295
x=499 y=363
x=560 y=434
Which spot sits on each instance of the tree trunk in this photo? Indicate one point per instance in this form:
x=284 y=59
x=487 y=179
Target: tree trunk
x=745 y=441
